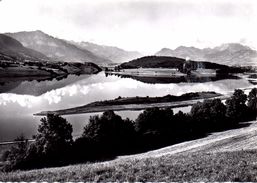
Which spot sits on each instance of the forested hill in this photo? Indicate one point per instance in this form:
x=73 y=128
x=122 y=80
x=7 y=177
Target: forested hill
x=168 y=62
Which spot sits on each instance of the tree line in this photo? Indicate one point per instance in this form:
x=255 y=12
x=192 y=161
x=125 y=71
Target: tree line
x=108 y=135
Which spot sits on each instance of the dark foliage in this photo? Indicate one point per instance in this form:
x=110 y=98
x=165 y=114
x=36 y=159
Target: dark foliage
x=209 y=115
x=153 y=120
x=252 y=102
x=232 y=69
x=105 y=136
x=52 y=145
x=16 y=156
x=237 y=110
x=147 y=100
x=168 y=62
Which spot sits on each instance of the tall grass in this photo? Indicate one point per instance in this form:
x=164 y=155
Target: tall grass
x=223 y=166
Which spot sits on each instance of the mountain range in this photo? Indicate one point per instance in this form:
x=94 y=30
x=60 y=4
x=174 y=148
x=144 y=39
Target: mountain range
x=55 y=48
x=228 y=54
x=70 y=51
x=37 y=45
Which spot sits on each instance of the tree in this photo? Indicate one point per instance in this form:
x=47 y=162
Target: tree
x=16 y=156
x=54 y=137
x=108 y=133
x=236 y=108
x=153 y=120
x=182 y=126
x=104 y=128
x=52 y=145
x=209 y=114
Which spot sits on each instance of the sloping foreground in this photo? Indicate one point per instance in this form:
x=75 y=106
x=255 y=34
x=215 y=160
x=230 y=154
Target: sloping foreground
x=223 y=156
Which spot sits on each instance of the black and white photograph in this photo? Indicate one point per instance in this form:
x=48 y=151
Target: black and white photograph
x=128 y=91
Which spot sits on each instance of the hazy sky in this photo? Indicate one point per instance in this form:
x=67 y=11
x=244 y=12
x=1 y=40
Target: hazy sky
x=143 y=25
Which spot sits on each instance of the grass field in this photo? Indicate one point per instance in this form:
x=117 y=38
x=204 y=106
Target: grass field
x=222 y=166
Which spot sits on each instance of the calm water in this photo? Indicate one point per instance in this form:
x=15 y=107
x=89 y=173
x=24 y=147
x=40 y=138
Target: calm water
x=19 y=102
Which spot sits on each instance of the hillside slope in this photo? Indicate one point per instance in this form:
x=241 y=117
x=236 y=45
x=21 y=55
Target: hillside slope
x=168 y=62
x=11 y=48
x=232 y=140
x=57 y=49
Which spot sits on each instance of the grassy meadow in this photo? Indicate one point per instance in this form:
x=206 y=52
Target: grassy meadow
x=221 y=166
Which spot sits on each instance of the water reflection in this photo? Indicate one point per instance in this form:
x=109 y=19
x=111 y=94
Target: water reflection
x=180 y=79
x=37 y=85
x=17 y=109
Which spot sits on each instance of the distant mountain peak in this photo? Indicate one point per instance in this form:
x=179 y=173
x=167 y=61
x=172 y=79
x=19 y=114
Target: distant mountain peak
x=165 y=49
x=232 y=47
x=108 y=52
x=229 y=53
x=186 y=48
x=39 y=31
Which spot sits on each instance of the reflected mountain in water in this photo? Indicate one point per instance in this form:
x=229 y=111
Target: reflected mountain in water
x=180 y=79
x=36 y=86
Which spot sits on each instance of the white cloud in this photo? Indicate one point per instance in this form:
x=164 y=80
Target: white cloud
x=137 y=24
x=22 y=100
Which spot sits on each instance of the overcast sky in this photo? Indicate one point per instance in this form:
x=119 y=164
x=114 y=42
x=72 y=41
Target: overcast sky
x=143 y=25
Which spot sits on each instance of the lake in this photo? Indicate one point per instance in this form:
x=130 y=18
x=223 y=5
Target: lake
x=19 y=100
